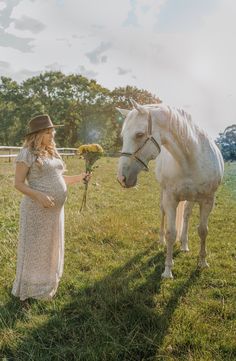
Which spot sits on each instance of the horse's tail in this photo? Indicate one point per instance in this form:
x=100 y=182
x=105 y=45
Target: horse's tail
x=179 y=219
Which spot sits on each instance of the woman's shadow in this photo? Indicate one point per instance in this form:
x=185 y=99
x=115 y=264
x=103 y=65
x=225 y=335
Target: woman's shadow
x=117 y=318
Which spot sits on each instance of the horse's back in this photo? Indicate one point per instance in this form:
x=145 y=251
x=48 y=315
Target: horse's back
x=199 y=179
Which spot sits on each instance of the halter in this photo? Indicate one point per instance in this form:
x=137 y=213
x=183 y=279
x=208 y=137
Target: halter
x=149 y=137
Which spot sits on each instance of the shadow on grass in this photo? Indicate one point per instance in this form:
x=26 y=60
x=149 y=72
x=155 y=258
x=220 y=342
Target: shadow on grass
x=115 y=319
x=10 y=313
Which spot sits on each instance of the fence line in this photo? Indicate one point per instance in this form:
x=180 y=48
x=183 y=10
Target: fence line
x=64 y=152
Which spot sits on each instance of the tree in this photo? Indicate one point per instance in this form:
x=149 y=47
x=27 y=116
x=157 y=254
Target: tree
x=10 y=107
x=69 y=99
x=227 y=143
x=87 y=109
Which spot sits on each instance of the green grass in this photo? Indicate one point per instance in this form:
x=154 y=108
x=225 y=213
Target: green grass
x=112 y=304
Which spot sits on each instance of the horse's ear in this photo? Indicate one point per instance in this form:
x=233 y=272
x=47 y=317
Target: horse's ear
x=123 y=112
x=138 y=107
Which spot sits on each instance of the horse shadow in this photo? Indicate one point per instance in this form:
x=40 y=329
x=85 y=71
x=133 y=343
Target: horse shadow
x=115 y=319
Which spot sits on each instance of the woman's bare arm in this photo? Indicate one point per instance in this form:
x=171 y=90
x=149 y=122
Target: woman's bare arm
x=73 y=179
x=20 y=176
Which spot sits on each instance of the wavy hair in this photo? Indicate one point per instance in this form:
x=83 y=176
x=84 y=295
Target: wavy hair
x=34 y=143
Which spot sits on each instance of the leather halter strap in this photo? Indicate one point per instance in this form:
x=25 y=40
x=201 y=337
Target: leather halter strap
x=149 y=137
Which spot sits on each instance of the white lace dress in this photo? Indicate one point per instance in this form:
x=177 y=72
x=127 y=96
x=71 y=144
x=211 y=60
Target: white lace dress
x=40 y=253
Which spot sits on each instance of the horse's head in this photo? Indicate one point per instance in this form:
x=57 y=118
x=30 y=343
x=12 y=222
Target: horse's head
x=139 y=145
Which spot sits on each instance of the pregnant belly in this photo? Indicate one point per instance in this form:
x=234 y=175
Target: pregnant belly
x=59 y=194
x=56 y=188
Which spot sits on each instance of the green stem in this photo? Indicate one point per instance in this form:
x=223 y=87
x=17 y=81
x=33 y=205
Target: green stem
x=84 y=199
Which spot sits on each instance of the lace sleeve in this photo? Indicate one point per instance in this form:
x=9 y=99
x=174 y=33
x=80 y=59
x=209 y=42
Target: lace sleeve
x=25 y=156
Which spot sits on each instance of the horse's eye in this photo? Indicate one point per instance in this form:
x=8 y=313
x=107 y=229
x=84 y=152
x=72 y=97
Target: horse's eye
x=139 y=135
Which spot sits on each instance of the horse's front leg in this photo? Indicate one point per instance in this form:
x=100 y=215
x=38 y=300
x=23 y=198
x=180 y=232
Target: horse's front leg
x=169 y=205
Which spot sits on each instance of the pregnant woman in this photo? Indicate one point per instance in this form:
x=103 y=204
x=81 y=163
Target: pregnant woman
x=39 y=176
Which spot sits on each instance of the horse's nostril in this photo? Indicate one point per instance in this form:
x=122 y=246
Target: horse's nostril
x=121 y=180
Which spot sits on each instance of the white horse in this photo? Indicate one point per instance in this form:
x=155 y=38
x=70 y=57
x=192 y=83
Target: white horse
x=189 y=168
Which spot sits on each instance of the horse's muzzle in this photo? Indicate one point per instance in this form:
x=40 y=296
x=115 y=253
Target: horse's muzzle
x=121 y=180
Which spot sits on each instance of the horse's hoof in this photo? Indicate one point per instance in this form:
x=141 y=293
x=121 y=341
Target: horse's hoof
x=203 y=264
x=167 y=274
x=161 y=242
x=162 y=239
x=184 y=248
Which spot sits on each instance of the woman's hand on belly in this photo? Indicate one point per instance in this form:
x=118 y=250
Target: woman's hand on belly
x=45 y=200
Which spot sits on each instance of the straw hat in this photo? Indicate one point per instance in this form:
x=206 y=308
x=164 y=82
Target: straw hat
x=40 y=122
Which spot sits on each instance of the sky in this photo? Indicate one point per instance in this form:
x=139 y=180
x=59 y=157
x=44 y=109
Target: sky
x=183 y=51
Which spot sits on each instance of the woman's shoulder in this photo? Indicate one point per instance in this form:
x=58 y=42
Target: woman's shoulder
x=26 y=156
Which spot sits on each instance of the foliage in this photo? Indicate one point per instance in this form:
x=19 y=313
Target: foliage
x=112 y=304
x=86 y=108
x=11 y=98
x=227 y=143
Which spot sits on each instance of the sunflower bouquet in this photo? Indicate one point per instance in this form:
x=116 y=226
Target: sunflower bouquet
x=90 y=153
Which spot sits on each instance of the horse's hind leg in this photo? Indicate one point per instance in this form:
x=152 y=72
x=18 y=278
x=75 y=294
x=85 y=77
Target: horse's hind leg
x=184 y=234
x=162 y=228
x=205 y=209
x=169 y=206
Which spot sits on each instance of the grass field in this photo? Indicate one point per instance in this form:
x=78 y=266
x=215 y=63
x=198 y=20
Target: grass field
x=112 y=304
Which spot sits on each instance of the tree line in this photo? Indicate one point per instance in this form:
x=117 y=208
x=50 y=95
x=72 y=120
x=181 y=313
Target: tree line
x=87 y=109
x=227 y=143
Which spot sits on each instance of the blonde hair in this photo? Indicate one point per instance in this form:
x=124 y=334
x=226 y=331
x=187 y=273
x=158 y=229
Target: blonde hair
x=34 y=143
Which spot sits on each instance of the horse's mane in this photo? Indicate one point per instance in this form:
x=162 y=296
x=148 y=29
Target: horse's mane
x=181 y=124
